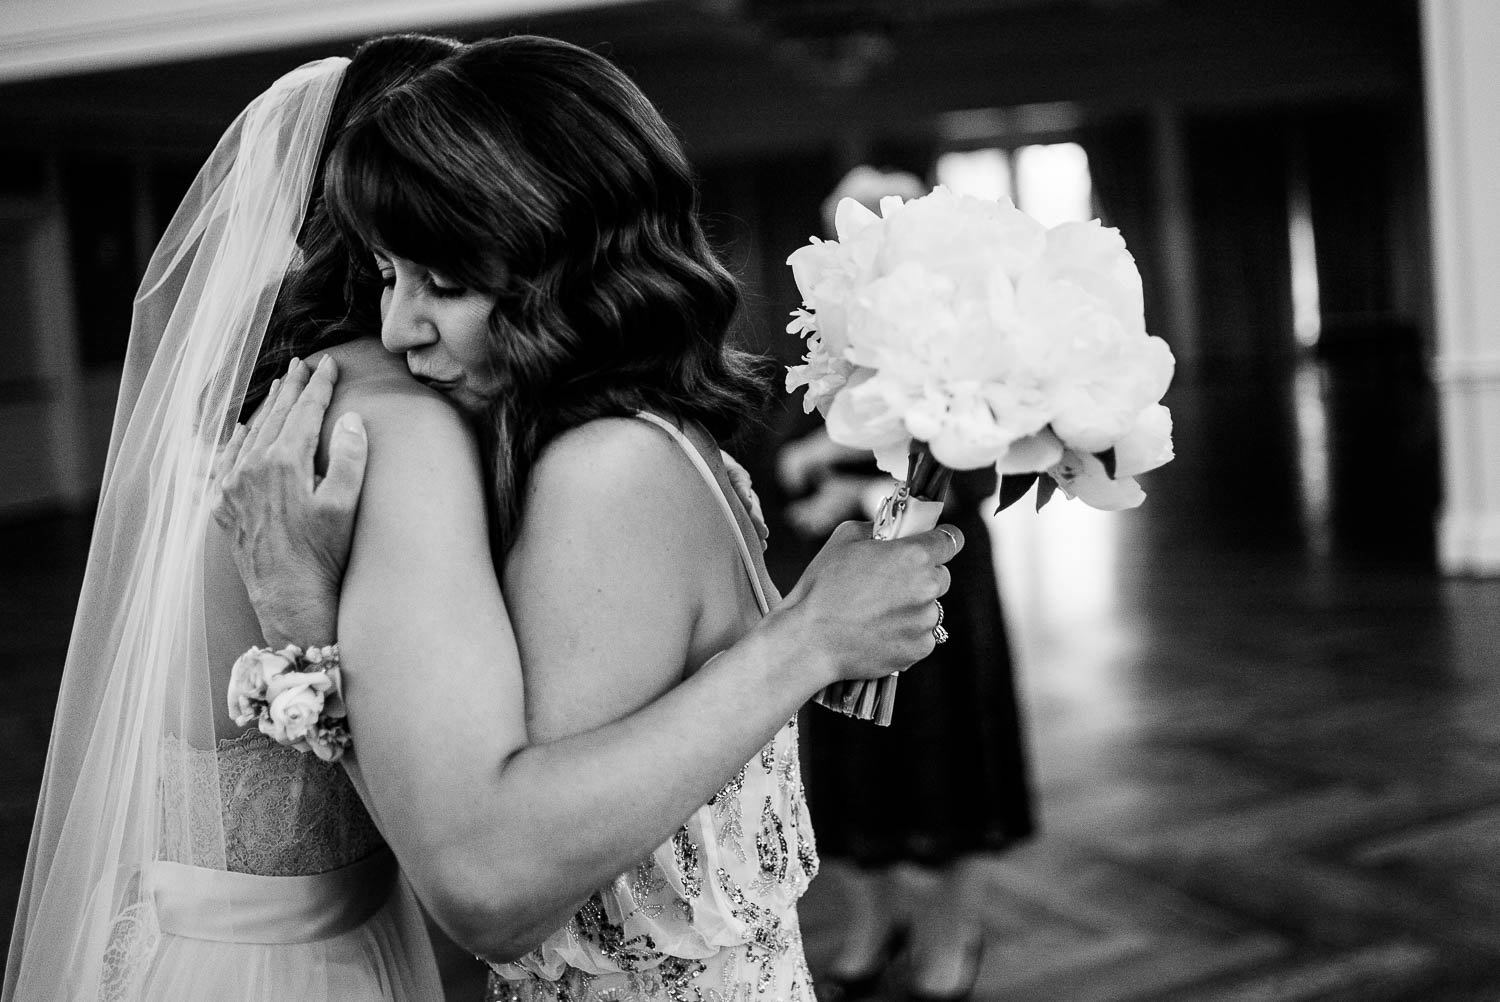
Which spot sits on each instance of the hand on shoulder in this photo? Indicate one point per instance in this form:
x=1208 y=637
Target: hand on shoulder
x=291 y=483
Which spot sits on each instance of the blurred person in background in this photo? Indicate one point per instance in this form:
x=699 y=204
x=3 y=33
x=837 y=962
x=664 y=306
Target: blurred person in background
x=909 y=814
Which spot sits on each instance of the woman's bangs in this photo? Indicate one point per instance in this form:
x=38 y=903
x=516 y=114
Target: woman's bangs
x=385 y=200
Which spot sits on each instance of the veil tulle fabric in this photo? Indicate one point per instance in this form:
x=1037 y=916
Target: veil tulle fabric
x=135 y=695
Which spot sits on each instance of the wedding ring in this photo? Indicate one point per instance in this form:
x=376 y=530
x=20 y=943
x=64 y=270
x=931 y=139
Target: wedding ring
x=938 y=633
x=954 y=540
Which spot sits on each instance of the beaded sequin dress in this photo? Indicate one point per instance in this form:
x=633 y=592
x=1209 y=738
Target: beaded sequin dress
x=711 y=915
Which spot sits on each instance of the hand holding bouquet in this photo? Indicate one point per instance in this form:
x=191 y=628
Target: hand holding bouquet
x=950 y=333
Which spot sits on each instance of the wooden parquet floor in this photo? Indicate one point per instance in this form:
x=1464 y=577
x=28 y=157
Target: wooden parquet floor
x=1265 y=772
x=1263 y=776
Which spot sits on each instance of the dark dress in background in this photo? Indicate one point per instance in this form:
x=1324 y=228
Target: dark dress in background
x=948 y=777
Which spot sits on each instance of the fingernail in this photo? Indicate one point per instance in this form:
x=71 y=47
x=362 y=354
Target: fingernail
x=325 y=362
x=352 y=423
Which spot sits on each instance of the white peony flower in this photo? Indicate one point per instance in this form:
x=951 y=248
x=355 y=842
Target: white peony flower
x=968 y=436
x=1080 y=475
x=867 y=414
x=965 y=324
x=1147 y=445
x=1032 y=454
x=962 y=237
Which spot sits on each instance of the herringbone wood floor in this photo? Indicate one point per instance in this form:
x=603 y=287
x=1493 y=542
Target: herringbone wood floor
x=1270 y=780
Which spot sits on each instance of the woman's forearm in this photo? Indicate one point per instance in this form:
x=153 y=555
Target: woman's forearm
x=503 y=840
x=572 y=814
x=565 y=817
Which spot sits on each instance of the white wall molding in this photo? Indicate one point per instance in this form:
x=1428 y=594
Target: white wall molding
x=1469 y=543
x=1459 y=39
x=1467 y=370
x=41 y=38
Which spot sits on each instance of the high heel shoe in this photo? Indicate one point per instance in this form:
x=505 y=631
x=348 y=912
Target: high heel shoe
x=973 y=956
x=865 y=984
x=848 y=989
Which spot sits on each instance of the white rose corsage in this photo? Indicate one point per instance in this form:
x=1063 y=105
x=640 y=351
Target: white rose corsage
x=296 y=697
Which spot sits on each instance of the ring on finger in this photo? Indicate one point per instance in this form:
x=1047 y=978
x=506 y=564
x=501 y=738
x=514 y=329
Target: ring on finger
x=938 y=633
x=951 y=538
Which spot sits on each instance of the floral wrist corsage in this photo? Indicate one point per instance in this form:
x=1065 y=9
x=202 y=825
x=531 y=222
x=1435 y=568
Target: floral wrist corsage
x=296 y=696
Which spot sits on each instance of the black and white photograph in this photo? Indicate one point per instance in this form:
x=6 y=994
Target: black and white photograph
x=729 y=500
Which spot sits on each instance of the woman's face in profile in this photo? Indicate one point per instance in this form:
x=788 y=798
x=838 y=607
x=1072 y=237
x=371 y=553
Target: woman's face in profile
x=441 y=327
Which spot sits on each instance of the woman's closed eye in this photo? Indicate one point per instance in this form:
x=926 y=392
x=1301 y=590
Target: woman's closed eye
x=386 y=270
x=435 y=283
x=441 y=286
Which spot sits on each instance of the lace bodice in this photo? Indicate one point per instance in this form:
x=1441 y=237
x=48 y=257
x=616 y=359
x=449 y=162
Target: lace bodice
x=282 y=813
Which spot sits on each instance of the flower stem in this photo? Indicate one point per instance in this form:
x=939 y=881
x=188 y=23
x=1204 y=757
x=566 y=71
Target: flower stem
x=926 y=478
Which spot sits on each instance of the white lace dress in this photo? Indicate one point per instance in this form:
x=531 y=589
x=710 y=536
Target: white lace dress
x=711 y=915
x=299 y=900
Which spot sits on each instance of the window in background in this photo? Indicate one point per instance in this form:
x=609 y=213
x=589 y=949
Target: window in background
x=980 y=173
x=1050 y=181
x=1307 y=386
x=1053 y=183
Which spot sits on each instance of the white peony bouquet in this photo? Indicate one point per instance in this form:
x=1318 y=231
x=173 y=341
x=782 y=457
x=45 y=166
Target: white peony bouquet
x=951 y=333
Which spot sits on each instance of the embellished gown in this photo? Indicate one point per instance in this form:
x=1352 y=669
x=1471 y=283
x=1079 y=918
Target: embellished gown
x=711 y=915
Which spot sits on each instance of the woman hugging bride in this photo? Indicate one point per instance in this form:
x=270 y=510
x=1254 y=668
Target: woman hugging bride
x=569 y=686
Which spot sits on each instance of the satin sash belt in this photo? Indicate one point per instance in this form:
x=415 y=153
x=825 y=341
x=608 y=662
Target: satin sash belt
x=199 y=903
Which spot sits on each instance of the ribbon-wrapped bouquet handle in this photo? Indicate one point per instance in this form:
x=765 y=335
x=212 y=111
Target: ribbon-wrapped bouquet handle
x=914 y=505
x=952 y=333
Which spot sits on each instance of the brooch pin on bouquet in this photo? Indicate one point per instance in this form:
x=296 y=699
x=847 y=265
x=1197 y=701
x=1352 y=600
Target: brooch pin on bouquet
x=952 y=333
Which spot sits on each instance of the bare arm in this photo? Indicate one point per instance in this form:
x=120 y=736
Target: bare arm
x=623 y=576
x=501 y=838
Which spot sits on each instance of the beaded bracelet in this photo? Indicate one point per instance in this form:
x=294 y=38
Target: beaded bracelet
x=295 y=696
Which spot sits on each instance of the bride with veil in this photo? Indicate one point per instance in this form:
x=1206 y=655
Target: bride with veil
x=177 y=856
x=148 y=874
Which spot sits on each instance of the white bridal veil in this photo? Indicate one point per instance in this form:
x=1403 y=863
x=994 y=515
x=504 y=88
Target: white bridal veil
x=135 y=695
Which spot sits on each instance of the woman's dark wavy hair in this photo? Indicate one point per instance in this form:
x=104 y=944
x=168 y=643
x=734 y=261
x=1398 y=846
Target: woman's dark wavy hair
x=537 y=171
x=332 y=297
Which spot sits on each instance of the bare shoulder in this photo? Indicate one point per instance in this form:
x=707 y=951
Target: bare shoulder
x=617 y=450
x=400 y=414
x=370 y=375
x=620 y=490
x=627 y=467
x=423 y=492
